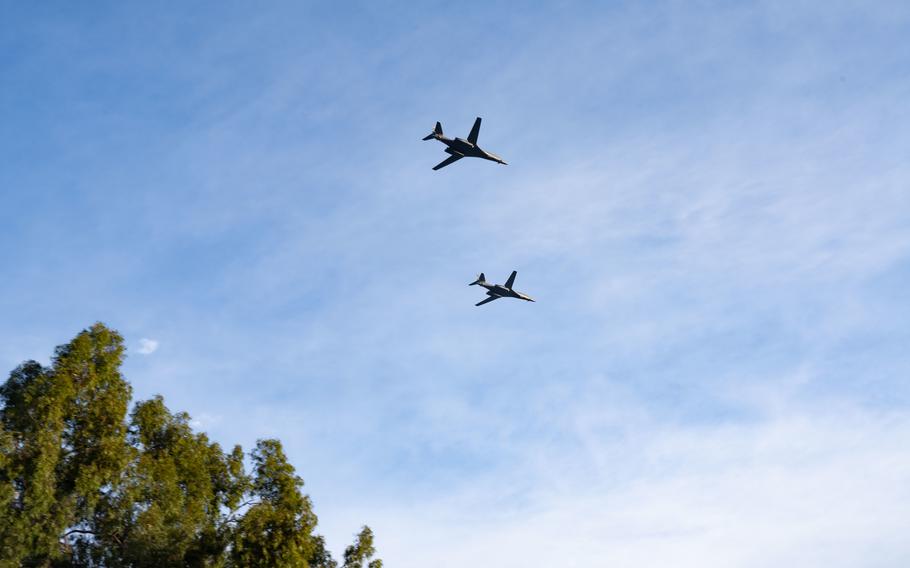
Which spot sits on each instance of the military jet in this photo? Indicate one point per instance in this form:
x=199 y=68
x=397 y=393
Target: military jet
x=460 y=148
x=496 y=291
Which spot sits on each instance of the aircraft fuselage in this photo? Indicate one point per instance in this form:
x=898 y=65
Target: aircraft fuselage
x=503 y=292
x=465 y=148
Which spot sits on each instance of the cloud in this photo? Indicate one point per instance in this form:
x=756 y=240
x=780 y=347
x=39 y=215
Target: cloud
x=147 y=346
x=808 y=486
x=205 y=421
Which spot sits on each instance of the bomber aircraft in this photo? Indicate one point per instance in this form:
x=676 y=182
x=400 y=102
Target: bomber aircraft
x=460 y=148
x=496 y=291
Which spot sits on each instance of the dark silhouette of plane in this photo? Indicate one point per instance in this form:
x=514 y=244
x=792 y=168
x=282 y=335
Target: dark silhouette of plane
x=460 y=148
x=496 y=291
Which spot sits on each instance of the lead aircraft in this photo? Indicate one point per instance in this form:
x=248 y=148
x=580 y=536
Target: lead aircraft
x=497 y=291
x=460 y=148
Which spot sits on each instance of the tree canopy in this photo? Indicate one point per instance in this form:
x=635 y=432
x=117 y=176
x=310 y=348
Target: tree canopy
x=84 y=484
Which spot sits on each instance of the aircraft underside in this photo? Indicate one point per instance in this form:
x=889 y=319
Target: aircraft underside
x=459 y=148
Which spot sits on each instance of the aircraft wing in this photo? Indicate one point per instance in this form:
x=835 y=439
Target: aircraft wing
x=475 y=130
x=511 y=279
x=450 y=160
x=487 y=301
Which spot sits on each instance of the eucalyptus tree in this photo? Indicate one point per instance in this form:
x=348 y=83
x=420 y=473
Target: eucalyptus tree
x=169 y=507
x=358 y=555
x=83 y=485
x=67 y=436
x=277 y=528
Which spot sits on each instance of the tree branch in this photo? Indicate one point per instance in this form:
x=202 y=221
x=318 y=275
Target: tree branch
x=79 y=531
x=235 y=511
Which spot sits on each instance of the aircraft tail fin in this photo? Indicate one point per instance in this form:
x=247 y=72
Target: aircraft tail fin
x=475 y=131
x=436 y=132
x=481 y=279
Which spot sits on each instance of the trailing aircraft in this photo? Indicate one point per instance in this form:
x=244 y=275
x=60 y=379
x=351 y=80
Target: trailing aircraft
x=460 y=148
x=496 y=291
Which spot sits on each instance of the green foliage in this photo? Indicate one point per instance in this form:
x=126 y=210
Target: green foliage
x=167 y=508
x=358 y=554
x=68 y=442
x=277 y=528
x=80 y=485
x=321 y=558
x=7 y=494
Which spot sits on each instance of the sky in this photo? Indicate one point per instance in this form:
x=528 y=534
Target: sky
x=710 y=202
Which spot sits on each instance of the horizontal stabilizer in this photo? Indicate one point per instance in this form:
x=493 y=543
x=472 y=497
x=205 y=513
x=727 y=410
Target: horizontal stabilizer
x=436 y=132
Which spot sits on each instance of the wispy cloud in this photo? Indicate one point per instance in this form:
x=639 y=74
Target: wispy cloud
x=205 y=421
x=818 y=486
x=147 y=346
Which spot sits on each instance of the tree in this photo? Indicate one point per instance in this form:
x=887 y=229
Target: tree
x=67 y=431
x=168 y=509
x=277 y=528
x=7 y=495
x=321 y=558
x=80 y=485
x=358 y=554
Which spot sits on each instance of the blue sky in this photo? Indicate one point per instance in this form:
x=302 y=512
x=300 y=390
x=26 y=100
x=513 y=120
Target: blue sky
x=710 y=202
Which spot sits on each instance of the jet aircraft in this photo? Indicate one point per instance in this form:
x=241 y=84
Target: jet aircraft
x=496 y=291
x=460 y=148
